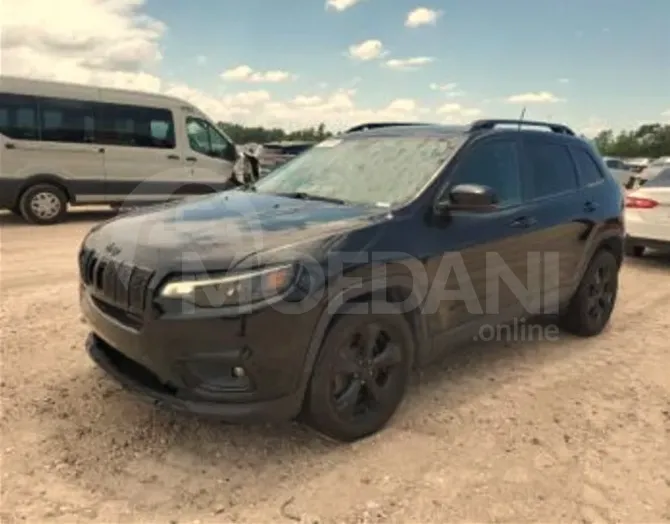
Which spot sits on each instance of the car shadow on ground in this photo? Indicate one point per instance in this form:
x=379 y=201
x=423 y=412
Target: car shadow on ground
x=651 y=259
x=8 y=219
x=122 y=420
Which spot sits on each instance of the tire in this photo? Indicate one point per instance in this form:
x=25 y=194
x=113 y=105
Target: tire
x=52 y=208
x=632 y=250
x=591 y=306
x=326 y=407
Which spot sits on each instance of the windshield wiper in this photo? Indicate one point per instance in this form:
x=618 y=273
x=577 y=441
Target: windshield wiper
x=301 y=195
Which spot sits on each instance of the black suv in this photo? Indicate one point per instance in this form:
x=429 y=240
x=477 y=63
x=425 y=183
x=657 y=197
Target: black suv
x=315 y=291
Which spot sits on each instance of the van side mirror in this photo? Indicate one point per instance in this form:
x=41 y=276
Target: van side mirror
x=468 y=197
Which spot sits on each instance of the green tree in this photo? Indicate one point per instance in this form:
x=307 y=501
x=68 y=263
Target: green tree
x=648 y=140
x=260 y=135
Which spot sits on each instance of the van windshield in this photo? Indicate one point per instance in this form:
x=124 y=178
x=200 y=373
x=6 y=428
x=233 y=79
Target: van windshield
x=371 y=170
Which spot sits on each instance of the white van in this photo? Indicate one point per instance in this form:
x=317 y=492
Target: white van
x=67 y=144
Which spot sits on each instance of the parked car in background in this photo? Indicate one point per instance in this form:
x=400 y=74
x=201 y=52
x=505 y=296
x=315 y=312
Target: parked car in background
x=620 y=170
x=638 y=164
x=648 y=215
x=67 y=144
x=275 y=154
x=663 y=161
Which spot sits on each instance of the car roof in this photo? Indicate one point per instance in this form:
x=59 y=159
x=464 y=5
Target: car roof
x=392 y=129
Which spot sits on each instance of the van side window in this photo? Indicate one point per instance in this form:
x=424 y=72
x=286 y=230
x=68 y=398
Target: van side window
x=18 y=117
x=589 y=172
x=207 y=140
x=70 y=121
x=551 y=168
x=135 y=126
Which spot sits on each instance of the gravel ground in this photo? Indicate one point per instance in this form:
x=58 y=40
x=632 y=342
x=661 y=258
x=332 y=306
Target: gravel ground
x=569 y=431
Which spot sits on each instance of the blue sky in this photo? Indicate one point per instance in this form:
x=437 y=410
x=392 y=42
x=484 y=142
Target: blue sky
x=295 y=63
x=608 y=60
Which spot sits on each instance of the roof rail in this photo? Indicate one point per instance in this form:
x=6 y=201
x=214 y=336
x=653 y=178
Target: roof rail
x=377 y=125
x=481 y=125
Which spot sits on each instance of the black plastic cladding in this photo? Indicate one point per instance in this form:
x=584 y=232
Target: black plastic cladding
x=120 y=284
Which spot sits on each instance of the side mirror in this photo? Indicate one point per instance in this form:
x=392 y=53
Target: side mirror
x=469 y=197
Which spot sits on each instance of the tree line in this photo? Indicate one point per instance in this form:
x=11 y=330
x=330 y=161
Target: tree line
x=261 y=135
x=648 y=140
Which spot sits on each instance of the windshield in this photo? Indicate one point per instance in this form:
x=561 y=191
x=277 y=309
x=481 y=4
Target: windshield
x=373 y=170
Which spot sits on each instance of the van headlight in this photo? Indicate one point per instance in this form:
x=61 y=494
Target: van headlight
x=234 y=289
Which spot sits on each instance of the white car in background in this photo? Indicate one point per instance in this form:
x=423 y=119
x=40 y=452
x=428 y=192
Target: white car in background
x=619 y=170
x=647 y=216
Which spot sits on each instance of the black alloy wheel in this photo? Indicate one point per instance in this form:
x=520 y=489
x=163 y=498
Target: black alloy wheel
x=360 y=376
x=592 y=304
x=363 y=375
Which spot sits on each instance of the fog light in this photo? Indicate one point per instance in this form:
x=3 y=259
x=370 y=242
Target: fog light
x=238 y=372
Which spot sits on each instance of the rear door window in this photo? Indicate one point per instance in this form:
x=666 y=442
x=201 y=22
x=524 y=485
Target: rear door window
x=552 y=171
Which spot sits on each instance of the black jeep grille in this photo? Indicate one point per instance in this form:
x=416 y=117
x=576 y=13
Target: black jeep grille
x=118 y=283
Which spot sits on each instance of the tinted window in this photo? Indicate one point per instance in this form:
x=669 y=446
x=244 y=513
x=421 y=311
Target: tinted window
x=493 y=164
x=660 y=180
x=136 y=126
x=206 y=139
x=551 y=168
x=589 y=172
x=18 y=117
x=67 y=120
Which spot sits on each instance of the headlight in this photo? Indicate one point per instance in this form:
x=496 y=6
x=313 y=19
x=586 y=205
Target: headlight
x=232 y=290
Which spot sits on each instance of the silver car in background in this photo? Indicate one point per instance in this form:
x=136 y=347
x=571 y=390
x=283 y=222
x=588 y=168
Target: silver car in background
x=620 y=171
x=275 y=154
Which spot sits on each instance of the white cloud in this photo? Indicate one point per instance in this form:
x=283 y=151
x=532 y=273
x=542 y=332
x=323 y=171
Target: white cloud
x=113 y=43
x=666 y=114
x=244 y=73
x=457 y=114
x=450 y=89
x=422 y=16
x=85 y=41
x=592 y=127
x=201 y=59
x=564 y=80
x=303 y=100
x=340 y=5
x=404 y=105
x=367 y=50
x=539 y=97
x=408 y=63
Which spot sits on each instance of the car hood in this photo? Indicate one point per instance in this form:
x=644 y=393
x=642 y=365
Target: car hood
x=226 y=230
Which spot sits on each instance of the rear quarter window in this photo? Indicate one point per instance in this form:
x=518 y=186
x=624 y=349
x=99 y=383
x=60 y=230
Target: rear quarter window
x=587 y=167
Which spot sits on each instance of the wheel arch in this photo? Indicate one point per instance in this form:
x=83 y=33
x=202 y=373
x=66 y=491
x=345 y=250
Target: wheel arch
x=390 y=290
x=46 y=178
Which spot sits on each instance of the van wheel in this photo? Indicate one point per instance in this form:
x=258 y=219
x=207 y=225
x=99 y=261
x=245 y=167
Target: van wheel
x=360 y=376
x=43 y=204
x=591 y=306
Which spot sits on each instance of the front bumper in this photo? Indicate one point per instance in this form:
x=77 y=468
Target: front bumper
x=186 y=364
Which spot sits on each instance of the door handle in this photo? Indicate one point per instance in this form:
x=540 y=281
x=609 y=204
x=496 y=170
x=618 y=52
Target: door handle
x=523 y=222
x=9 y=145
x=191 y=159
x=590 y=206
x=173 y=157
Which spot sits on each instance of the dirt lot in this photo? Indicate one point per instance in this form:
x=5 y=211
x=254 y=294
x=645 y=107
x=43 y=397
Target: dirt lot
x=569 y=431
